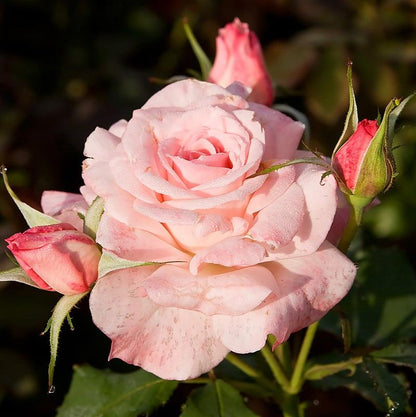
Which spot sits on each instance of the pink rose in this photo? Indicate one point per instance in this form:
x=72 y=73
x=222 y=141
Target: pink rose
x=178 y=184
x=57 y=257
x=239 y=58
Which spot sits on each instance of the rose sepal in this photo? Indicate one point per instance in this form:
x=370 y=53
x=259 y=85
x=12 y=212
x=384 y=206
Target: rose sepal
x=33 y=217
x=110 y=262
x=17 y=275
x=61 y=311
x=351 y=121
x=93 y=217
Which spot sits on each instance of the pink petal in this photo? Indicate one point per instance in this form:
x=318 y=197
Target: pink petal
x=64 y=207
x=321 y=204
x=118 y=128
x=55 y=202
x=209 y=229
x=277 y=223
x=276 y=184
x=283 y=133
x=237 y=195
x=101 y=145
x=308 y=287
x=215 y=291
x=233 y=251
x=170 y=342
x=189 y=93
x=151 y=243
x=165 y=214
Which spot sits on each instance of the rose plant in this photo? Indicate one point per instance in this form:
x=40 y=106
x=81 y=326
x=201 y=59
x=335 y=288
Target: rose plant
x=202 y=232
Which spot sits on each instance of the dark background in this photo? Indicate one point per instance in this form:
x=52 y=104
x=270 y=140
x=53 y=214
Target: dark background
x=68 y=66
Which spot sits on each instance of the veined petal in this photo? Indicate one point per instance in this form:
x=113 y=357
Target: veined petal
x=308 y=287
x=167 y=341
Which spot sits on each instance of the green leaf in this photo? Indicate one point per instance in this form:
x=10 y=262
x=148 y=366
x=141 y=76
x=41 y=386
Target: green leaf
x=33 y=217
x=401 y=354
x=102 y=393
x=216 y=399
x=93 y=217
x=373 y=382
x=17 y=275
x=203 y=60
x=320 y=371
x=382 y=303
x=60 y=312
x=388 y=385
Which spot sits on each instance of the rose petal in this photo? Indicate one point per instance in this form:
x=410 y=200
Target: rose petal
x=321 y=204
x=215 y=291
x=277 y=223
x=276 y=184
x=191 y=92
x=233 y=251
x=101 y=145
x=172 y=343
x=118 y=128
x=308 y=287
x=151 y=243
x=283 y=133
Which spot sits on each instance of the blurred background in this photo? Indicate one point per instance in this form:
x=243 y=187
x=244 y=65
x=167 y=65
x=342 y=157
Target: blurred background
x=69 y=66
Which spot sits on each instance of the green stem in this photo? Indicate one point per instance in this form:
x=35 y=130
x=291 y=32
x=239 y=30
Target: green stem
x=297 y=377
x=255 y=374
x=291 y=406
x=284 y=356
x=243 y=366
x=276 y=368
x=350 y=230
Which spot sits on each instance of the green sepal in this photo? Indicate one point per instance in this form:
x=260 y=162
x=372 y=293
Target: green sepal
x=378 y=159
x=351 y=121
x=110 y=262
x=93 y=217
x=60 y=313
x=33 y=217
x=203 y=60
x=17 y=275
x=312 y=160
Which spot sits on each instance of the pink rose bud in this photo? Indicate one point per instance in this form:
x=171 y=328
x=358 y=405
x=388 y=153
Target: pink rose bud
x=239 y=58
x=57 y=257
x=363 y=162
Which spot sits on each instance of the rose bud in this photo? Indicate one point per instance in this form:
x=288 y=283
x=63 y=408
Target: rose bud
x=362 y=164
x=57 y=257
x=239 y=58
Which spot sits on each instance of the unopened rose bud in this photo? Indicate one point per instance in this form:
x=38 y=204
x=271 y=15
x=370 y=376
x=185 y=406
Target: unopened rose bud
x=364 y=163
x=57 y=257
x=239 y=57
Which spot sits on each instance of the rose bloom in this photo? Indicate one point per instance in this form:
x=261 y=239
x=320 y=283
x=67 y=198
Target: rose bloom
x=57 y=257
x=239 y=57
x=178 y=184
